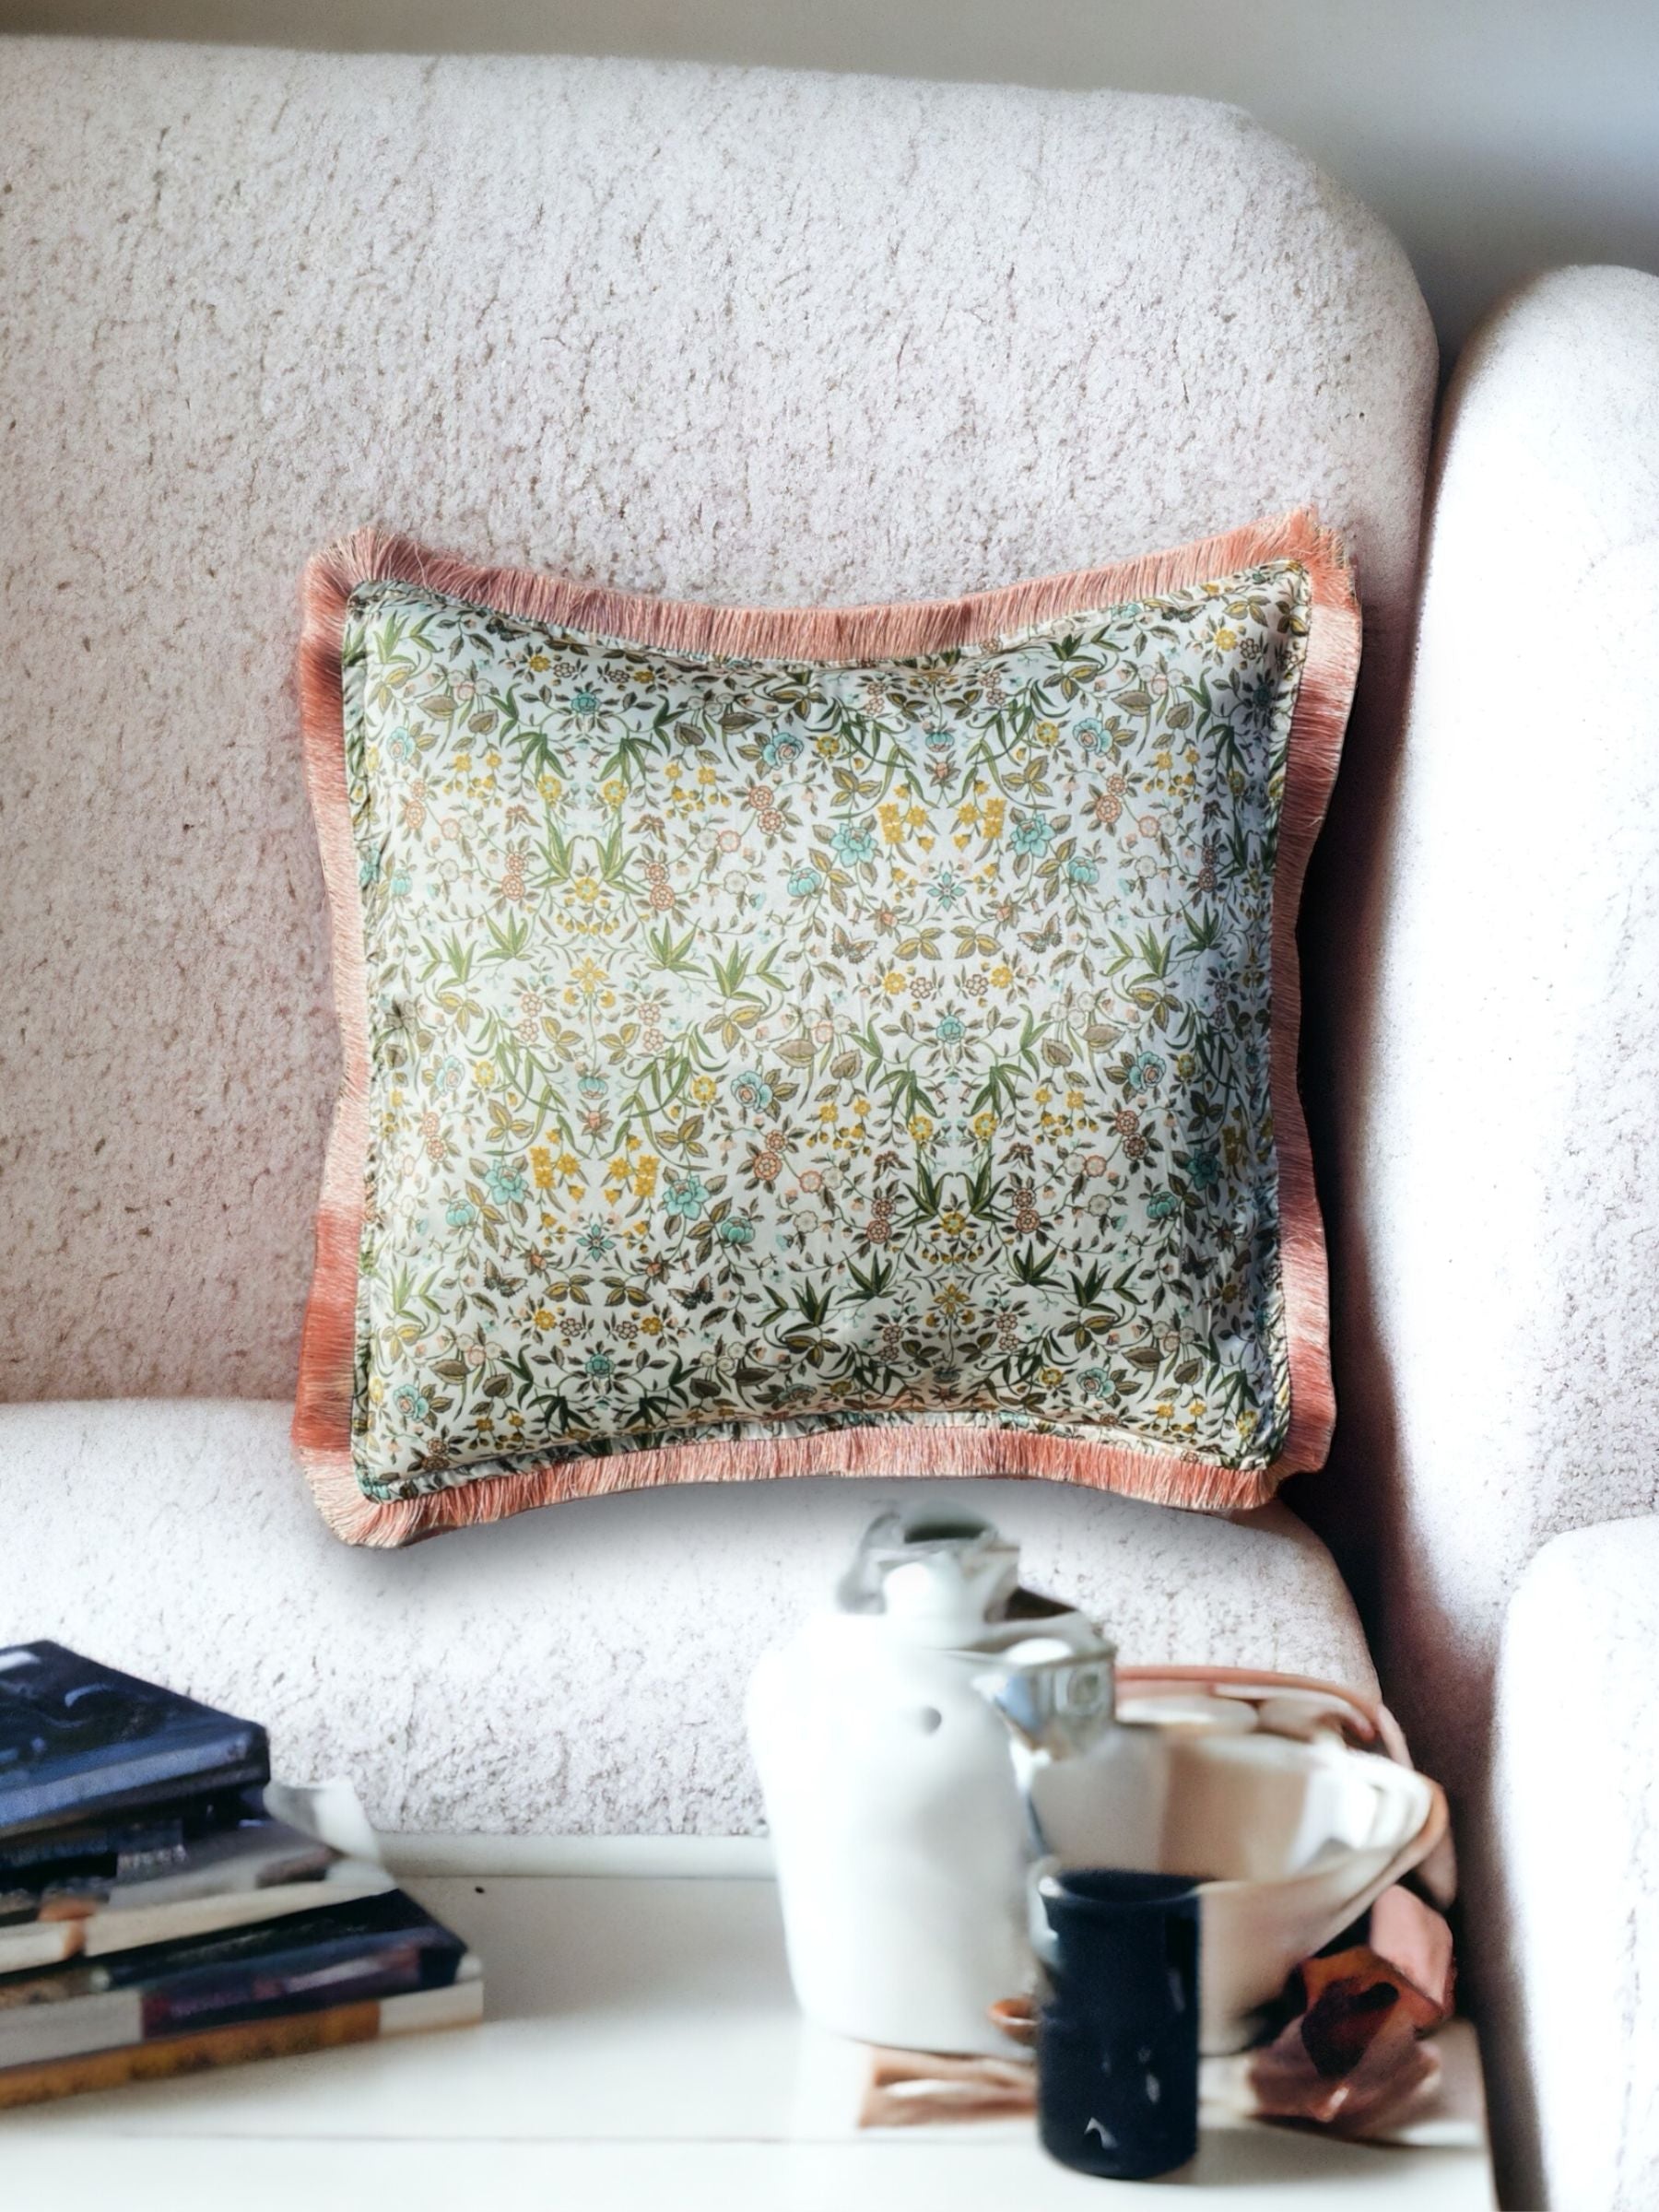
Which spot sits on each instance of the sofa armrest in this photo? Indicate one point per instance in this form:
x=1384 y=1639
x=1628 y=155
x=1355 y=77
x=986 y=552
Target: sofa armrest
x=1497 y=1229
x=1576 y=1807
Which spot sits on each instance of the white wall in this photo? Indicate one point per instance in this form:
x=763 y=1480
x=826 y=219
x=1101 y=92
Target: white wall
x=1496 y=136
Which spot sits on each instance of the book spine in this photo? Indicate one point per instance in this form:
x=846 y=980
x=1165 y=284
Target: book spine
x=194 y=1761
x=283 y=2036
x=386 y=1971
x=231 y=2046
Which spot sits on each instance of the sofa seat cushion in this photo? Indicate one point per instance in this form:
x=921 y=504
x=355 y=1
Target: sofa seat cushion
x=577 y=1673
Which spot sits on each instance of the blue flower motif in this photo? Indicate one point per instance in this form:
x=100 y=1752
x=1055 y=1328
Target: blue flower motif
x=595 y=1240
x=599 y=1365
x=1205 y=1169
x=1097 y=1383
x=946 y=887
x=585 y=704
x=1146 y=1072
x=735 y=1230
x=1082 y=871
x=686 y=1197
x=369 y=868
x=409 y=1402
x=462 y=1214
x=783 y=748
x=401 y=745
x=506 y=1188
x=1161 y=1204
x=951 y=1030
x=449 y=1075
x=400 y=883
x=591 y=1085
x=1093 y=734
x=853 y=845
x=752 y=1089
x=803 y=882
x=1031 y=835
x=940 y=739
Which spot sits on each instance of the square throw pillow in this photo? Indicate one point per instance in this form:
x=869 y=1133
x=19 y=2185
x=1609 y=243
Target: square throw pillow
x=827 y=1042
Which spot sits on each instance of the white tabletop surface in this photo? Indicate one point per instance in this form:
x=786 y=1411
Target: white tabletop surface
x=640 y=2049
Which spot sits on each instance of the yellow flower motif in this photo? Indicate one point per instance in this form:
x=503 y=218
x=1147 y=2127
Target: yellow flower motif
x=829 y=746
x=541 y=1318
x=1042 y=1094
x=462 y=764
x=1074 y=1102
x=567 y=1164
x=587 y=975
x=537 y=661
x=702 y=1089
x=919 y=1127
x=1047 y=733
x=613 y=791
x=1001 y=975
x=541 y=1166
x=645 y=1175
x=1225 y=639
x=892 y=983
x=651 y=1325
x=377 y=1390
x=891 y=818
x=983 y=1125
x=484 y=1074
x=953 y=1221
x=993 y=818
x=1051 y=1378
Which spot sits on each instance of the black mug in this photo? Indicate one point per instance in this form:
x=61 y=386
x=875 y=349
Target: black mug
x=1117 y=2042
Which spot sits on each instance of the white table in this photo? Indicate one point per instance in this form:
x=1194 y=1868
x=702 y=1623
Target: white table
x=640 y=2054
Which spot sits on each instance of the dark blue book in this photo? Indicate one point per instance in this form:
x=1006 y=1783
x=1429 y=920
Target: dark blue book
x=364 y=1950
x=77 y=1739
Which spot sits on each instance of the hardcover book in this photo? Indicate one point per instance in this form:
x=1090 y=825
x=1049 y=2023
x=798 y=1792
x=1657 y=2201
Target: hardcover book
x=368 y=1948
x=259 y=1870
x=119 y=1842
x=76 y=1737
x=456 y=2006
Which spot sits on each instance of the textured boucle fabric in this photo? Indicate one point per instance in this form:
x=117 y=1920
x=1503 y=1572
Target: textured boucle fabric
x=745 y=335
x=1495 y=1097
x=1576 y=1802
x=579 y=1672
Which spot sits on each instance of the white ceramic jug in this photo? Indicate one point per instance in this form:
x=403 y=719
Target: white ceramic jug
x=902 y=1842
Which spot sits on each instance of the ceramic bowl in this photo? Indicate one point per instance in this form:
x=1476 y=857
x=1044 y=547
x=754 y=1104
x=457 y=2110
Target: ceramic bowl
x=1291 y=1835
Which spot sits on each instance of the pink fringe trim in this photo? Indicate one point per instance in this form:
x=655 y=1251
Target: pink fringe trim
x=323 y=1414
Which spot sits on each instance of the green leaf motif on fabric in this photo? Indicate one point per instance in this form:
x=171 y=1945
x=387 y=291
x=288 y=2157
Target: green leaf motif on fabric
x=759 y=1044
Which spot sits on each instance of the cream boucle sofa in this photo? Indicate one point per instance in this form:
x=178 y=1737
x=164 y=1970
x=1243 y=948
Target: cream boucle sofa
x=766 y=337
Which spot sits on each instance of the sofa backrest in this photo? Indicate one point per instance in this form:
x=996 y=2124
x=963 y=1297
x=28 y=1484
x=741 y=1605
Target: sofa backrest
x=729 y=334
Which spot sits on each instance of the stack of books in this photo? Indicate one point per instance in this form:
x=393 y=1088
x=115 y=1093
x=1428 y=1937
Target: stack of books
x=156 y=1918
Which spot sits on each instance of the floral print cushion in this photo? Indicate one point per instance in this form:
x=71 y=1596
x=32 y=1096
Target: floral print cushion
x=778 y=1060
